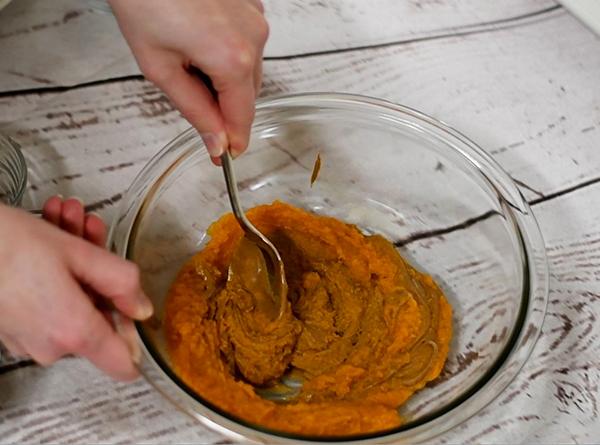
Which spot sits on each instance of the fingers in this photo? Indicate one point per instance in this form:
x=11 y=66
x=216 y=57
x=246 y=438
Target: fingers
x=107 y=350
x=94 y=230
x=262 y=39
x=236 y=101
x=128 y=295
x=110 y=276
x=52 y=210
x=126 y=329
x=72 y=217
x=258 y=77
x=238 y=83
x=258 y=5
x=194 y=100
x=82 y=330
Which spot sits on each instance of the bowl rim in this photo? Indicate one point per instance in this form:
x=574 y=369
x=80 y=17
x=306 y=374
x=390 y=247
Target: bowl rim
x=535 y=290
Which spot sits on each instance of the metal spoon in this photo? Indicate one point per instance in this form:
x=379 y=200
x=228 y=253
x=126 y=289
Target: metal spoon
x=274 y=262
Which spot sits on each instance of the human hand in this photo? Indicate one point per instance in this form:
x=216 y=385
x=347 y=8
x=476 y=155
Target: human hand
x=45 y=311
x=224 y=39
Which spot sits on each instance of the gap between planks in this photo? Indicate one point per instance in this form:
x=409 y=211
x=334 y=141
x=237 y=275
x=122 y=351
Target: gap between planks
x=484 y=216
x=459 y=31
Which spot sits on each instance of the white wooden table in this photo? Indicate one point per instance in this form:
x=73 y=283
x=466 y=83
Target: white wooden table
x=520 y=77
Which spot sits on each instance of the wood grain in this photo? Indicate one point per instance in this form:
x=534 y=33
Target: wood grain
x=71 y=403
x=555 y=397
x=537 y=118
x=526 y=91
x=62 y=42
x=307 y=27
x=526 y=111
x=68 y=42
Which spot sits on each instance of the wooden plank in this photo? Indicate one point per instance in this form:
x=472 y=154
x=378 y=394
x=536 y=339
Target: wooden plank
x=553 y=398
x=72 y=403
x=537 y=116
x=62 y=42
x=89 y=125
x=527 y=94
x=67 y=42
x=304 y=27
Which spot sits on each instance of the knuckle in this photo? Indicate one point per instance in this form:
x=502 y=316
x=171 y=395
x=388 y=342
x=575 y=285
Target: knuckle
x=155 y=73
x=79 y=249
x=46 y=358
x=262 y=28
x=67 y=340
x=240 y=56
x=260 y=6
x=78 y=333
x=131 y=278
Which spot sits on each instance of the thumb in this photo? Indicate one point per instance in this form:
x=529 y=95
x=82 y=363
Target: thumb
x=110 y=276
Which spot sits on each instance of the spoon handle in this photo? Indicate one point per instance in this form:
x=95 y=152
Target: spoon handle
x=232 y=189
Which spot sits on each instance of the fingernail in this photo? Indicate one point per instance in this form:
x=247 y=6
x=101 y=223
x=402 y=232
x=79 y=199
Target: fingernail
x=236 y=153
x=76 y=198
x=132 y=343
x=145 y=309
x=237 y=147
x=126 y=329
x=215 y=143
x=136 y=351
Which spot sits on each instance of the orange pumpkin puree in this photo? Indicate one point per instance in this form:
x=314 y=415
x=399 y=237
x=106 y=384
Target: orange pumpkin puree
x=362 y=328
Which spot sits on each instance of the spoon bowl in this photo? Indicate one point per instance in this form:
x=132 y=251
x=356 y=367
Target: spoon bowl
x=274 y=306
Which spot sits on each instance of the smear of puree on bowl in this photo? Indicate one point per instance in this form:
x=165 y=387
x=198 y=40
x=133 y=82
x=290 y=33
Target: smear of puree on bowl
x=362 y=328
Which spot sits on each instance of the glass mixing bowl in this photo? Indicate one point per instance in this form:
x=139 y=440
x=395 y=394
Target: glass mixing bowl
x=447 y=206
